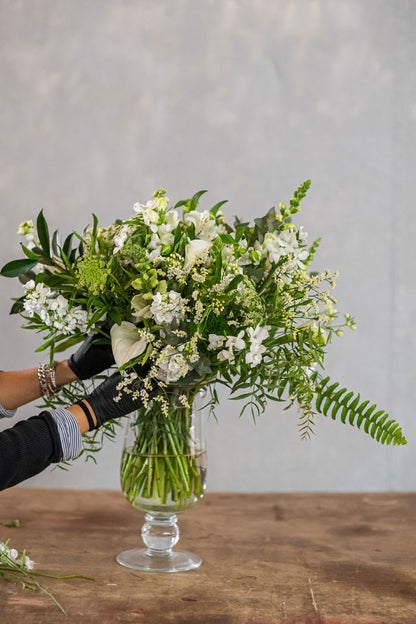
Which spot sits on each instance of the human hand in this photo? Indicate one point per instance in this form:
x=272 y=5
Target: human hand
x=91 y=358
x=104 y=407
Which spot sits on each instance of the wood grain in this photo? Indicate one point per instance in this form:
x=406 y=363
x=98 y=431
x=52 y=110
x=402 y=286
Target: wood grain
x=267 y=559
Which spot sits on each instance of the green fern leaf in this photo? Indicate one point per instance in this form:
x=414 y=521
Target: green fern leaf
x=377 y=424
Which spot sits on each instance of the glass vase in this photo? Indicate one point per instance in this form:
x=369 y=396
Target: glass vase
x=163 y=473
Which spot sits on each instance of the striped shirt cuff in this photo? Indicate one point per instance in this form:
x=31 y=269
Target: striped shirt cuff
x=5 y=413
x=69 y=433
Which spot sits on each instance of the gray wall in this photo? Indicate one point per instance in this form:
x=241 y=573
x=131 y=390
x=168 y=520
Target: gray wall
x=105 y=101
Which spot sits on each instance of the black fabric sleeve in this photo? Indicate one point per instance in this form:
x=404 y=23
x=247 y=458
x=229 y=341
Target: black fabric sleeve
x=28 y=448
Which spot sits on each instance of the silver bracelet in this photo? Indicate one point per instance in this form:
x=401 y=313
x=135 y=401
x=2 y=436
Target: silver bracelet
x=47 y=382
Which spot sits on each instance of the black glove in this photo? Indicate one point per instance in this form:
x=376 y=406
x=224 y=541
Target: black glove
x=91 y=358
x=102 y=402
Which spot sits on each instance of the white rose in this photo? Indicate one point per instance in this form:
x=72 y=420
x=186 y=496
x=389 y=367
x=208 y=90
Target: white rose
x=126 y=343
x=195 y=249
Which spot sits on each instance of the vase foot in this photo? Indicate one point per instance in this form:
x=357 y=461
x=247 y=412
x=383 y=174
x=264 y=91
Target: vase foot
x=140 y=559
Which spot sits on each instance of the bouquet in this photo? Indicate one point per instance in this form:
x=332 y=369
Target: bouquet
x=189 y=301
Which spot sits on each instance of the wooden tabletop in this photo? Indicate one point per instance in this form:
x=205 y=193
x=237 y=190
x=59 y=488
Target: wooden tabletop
x=267 y=559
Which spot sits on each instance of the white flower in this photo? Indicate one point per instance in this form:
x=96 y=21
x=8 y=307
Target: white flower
x=149 y=212
x=172 y=218
x=196 y=249
x=29 y=563
x=172 y=366
x=236 y=342
x=120 y=238
x=206 y=227
x=258 y=334
x=54 y=311
x=162 y=235
x=254 y=356
x=288 y=241
x=165 y=235
x=215 y=341
x=28 y=230
x=141 y=307
x=167 y=307
x=226 y=355
x=233 y=343
x=126 y=343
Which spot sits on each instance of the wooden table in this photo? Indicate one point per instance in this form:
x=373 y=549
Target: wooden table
x=267 y=559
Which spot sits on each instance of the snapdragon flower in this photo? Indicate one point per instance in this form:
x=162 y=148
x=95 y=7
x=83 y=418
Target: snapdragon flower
x=121 y=237
x=275 y=246
x=28 y=230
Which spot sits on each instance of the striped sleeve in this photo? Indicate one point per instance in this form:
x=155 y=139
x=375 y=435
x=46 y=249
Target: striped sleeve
x=69 y=433
x=5 y=413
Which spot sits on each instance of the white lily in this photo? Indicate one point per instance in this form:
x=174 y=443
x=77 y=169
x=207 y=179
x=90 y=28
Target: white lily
x=195 y=249
x=126 y=342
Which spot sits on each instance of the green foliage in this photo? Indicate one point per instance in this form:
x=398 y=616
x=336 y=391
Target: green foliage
x=18 y=267
x=333 y=400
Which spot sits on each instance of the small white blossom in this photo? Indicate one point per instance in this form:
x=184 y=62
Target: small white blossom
x=167 y=307
x=54 y=311
x=254 y=356
x=172 y=218
x=171 y=365
x=215 y=341
x=226 y=355
x=236 y=342
x=120 y=238
x=163 y=236
x=258 y=334
x=28 y=230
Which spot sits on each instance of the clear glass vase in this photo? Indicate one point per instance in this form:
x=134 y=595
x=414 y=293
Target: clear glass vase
x=163 y=473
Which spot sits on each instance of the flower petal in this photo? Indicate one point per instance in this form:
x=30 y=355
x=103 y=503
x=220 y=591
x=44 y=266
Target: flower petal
x=126 y=343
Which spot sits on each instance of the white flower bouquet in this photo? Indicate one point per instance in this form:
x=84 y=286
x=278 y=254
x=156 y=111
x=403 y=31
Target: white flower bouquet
x=189 y=301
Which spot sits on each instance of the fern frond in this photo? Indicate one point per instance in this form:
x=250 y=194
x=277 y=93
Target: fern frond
x=331 y=401
x=306 y=425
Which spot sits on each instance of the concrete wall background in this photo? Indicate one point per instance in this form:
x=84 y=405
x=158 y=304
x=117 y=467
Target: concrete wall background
x=103 y=102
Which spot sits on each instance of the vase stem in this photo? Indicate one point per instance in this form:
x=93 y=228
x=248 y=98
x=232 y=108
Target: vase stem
x=160 y=533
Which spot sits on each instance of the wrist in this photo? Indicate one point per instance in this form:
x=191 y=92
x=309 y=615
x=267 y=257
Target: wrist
x=81 y=417
x=64 y=374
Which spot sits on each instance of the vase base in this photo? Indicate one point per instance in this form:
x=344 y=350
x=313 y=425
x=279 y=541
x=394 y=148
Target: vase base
x=140 y=559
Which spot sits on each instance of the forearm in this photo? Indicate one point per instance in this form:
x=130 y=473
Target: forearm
x=28 y=448
x=82 y=420
x=20 y=387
